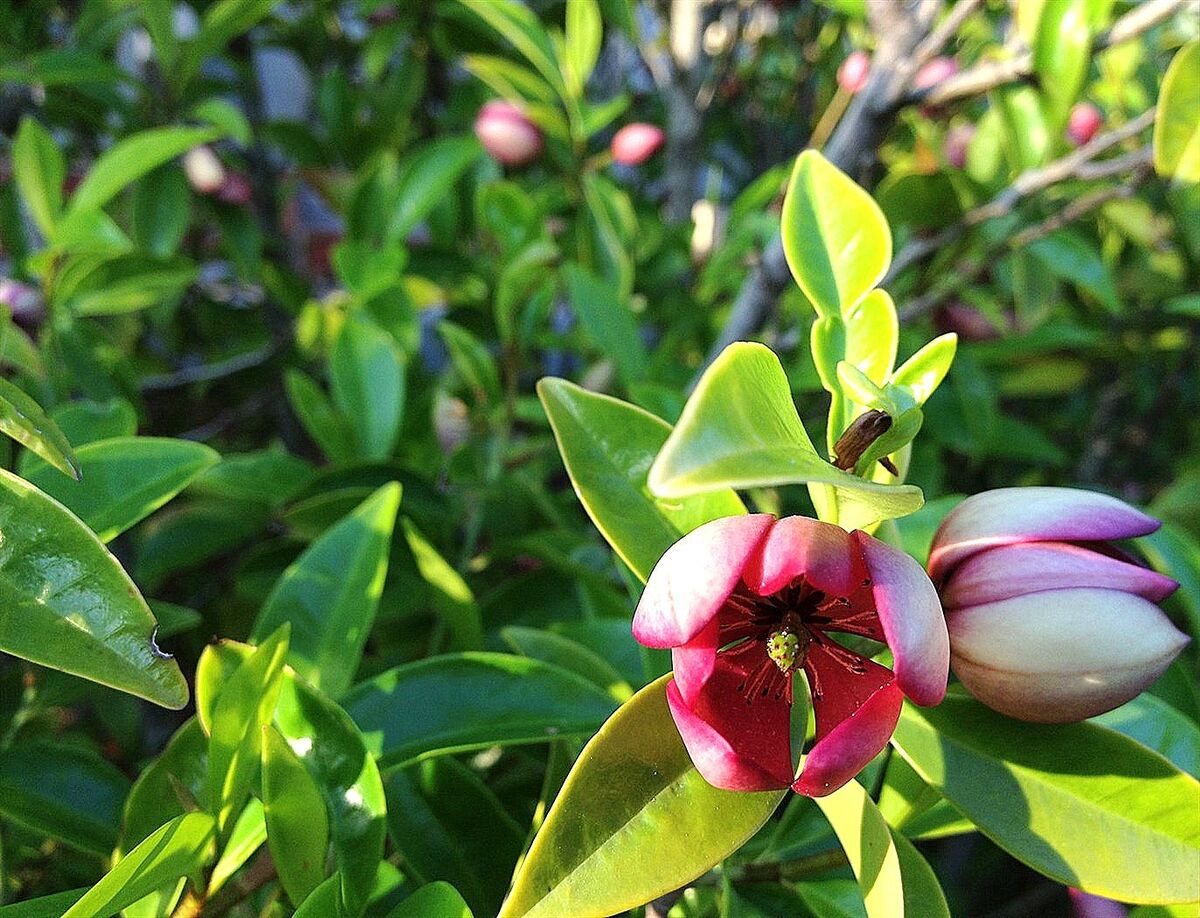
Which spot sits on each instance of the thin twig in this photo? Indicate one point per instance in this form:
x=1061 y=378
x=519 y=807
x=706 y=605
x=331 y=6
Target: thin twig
x=206 y=372
x=946 y=30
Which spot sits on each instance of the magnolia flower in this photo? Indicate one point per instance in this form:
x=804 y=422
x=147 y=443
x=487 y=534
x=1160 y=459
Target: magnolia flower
x=636 y=143
x=746 y=602
x=1048 y=622
x=507 y=134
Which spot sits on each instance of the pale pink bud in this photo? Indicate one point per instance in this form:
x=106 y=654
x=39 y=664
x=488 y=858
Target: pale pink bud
x=636 y=143
x=1084 y=122
x=934 y=71
x=507 y=134
x=958 y=139
x=852 y=75
x=204 y=171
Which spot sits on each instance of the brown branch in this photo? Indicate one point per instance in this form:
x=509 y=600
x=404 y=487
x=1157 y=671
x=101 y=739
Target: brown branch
x=946 y=30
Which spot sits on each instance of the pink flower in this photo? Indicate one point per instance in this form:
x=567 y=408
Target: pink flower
x=1083 y=123
x=745 y=602
x=636 y=143
x=507 y=134
x=1048 y=621
x=853 y=73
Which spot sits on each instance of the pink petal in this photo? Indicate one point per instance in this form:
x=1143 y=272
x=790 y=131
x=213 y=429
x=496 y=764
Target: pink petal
x=856 y=714
x=694 y=662
x=797 y=545
x=735 y=745
x=1007 y=516
x=912 y=620
x=1014 y=570
x=694 y=577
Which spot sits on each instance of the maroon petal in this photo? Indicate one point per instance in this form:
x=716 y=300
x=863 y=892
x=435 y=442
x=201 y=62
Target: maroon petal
x=856 y=713
x=797 y=545
x=694 y=577
x=1014 y=570
x=912 y=620
x=1007 y=516
x=736 y=745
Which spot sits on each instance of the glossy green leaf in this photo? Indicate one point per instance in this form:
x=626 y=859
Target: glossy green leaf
x=427 y=178
x=569 y=655
x=894 y=878
x=1062 y=50
x=245 y=838
x=460 y=702
x=608 y=446
x=584 y=33
x=1176 y=129
x=913 y=807
x=324 y=901
x=123 y=480
x=39 y=168
x=366 y=370
x=63 y=791
x=86 y=422
x=66 y=603
x=131 y=158
x=521 y=28
x=321 y=421
x=835 y=237
x=633 y=821
x=297 y=824
x=1157 y=725
x=171 y=785
x=872 y=335
x=175 y=850
x=923 y=372
x=607 y=320
x=330 y=594
x=1026 y=135
x=451 y=597
x=740 y=429
x=23 y=419
x=436 y=900
x=52 y=906
x=1079 y=803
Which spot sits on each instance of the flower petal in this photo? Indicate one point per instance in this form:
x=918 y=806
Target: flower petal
x=1007 y=516
x=912 y=620
x=798 y=545
x=695 y=661
x=855 y=713
x=735 y=745
x=1014 y=570
x=694 y=577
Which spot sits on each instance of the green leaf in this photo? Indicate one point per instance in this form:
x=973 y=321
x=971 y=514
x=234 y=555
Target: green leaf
x=223 y=21
x=436 y=900
x=39 y=169
x=835 y=237
x=52 y=906
x=427 y=177
x=320 y=419
x=585 y=32
x=1069 y=256
x=460 y=702
x=171 y=785
x=1026 y=136
x=330 y=594
x=131 y=158
x=63 y=791
x=366 y=370
x=1062 y=51
x=1079 y=803
x=893 y=877
x=1176 y=130
x=452 y=598
x=177 y=849
x=246 y=837
x=162 y=210
x=86 y=422
x=24 y=420
x=872 y=335
x=608 y=321
x=1157 y=725
x=519 y=26
x=243 y=701
x=324 y=901
x=297 y=824
x=123 y=480
x=740 y=429
x=66 y=603
x=633 y=821
x=569 y=655
x=476 y=367
x=1174 y=551
x=607 y=447
x=924 y=371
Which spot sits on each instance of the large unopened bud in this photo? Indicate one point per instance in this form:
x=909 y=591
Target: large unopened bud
x=636 y=143
x=204 y=171
x=507 y=134
x=1048 y=621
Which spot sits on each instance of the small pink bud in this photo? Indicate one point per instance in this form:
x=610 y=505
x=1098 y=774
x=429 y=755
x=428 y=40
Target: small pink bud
x=1084 y=122
x=852 y=75
x=204 y=171
x=507 y=134
x=636 y=143
x=22 y=300
x=958 y=139
x=934 y=71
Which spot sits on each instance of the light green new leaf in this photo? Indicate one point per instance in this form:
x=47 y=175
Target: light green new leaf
x=740 y=429
x=129 y=159
x=435 y=900
x=297 y=823
x=835 y=237
x=330 y=594
x=633 y=821
x=39 y=168
x=451 y=596
x=872 y=335
x=608 y=447
x=177 y=849
x=66 y=603
x=585 y=32
x=1061 y=54
x=23 y=419
x=1079 y=803
x=461 y=702
x=324 y=901
x=924 y=371
x=1176 y=127
x=123 y=480
x=245 y=838
x=366 y=372
x=521 y=28
x=895 y=880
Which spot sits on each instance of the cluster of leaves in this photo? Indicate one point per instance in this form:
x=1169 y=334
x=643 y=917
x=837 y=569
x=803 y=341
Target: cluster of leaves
x=296 y=437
